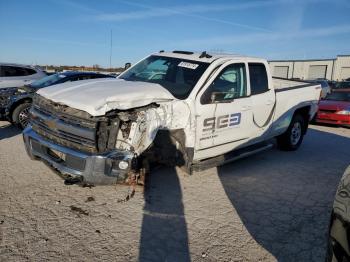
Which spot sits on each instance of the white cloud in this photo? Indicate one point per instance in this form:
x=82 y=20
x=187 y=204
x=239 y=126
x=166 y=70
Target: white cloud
x=151 y=11
x=187 y=10
x=76 y=6
x=267 y=38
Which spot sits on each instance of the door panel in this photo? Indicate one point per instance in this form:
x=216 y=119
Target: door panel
x=263 y=107
x=317 y=71
x=281 y=71
x=233 y=121
x=263 y=97
x=227 y=109
x=205 y=124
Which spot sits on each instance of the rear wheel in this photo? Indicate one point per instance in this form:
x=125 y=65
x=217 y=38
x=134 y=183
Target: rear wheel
x=20 y=115
x=292 y=138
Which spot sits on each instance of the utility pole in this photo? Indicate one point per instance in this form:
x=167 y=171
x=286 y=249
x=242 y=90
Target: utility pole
x=110 y=53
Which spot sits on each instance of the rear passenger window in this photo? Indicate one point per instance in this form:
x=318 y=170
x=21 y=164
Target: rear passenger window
x=258 y=78
x=86 y=77
x=30 y=71
x=72 y=79
x=8 y=71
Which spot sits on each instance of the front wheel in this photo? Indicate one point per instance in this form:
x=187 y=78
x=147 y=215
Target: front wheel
x=292 y=138
x=20 y=115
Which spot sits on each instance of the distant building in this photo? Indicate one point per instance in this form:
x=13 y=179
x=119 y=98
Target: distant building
x=332 y=69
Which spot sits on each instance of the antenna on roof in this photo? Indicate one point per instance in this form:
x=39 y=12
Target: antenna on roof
x=110 y=53
x=205 y=55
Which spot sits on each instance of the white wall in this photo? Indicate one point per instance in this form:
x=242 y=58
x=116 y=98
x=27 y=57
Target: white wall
x=337 y=69
x=342 y=68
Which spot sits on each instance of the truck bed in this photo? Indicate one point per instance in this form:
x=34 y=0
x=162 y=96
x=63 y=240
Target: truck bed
x=291 y=95
x=280 y=84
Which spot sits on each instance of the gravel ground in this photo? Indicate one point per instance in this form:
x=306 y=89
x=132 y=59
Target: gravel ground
x=271 y=206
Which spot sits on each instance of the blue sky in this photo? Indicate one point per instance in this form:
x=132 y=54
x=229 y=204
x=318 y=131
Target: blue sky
x=76 y=32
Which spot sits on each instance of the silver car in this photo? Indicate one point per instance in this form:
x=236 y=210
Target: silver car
x=15 y=75
x=339 y=229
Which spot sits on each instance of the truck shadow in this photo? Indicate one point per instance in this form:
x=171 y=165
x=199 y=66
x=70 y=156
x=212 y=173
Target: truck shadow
x=164 y=230
x=8 y=131
x=287 y=211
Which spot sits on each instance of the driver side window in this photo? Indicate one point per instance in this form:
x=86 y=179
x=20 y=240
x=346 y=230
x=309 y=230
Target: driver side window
x=228 y=85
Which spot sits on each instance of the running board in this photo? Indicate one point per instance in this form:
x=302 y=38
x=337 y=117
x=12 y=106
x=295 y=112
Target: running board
x=230 y=157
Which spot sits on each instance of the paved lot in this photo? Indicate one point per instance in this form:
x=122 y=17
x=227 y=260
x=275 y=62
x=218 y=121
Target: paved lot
x=272 y=206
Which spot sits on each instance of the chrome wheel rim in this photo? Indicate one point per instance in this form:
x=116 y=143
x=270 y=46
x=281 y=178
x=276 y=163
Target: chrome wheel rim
x=23 y=117
x=296 y=133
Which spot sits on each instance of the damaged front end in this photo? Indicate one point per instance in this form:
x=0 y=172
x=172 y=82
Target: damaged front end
x=88 y=149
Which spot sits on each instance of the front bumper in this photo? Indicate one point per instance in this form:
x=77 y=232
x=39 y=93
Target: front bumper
x=334 y=119
x=94 y=169
x=6 y=100
x=4 y=105
x=3 y=113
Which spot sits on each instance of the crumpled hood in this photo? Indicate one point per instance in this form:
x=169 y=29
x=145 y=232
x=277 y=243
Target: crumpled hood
x=100 y=96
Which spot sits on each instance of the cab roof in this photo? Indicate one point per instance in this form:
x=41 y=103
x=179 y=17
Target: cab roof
x=206 y=57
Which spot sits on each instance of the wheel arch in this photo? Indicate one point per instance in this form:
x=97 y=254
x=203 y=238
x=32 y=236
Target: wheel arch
x=305 y=113
x=17 y=103
x=170 y=145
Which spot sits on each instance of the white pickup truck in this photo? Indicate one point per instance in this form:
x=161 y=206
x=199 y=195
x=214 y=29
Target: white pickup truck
x=194 y=110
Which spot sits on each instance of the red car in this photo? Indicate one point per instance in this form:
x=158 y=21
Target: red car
x=335 y=108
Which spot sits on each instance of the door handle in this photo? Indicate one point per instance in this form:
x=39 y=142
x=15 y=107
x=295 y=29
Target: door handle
x=269 y=102
x=245 y=108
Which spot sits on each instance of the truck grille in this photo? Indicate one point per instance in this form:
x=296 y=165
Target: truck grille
x=51 y=121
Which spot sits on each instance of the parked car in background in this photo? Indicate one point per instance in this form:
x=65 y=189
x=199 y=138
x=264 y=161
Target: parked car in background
x=15 y=102
x=342 y=85
x=339 y=229
x=335 y=108
x=326 y=89
x=332 y=83
x=15 y=75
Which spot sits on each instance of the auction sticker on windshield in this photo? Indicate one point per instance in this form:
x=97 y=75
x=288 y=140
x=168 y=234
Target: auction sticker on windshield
x=188 y=65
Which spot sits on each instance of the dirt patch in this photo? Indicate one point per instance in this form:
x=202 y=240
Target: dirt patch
x=271 y=206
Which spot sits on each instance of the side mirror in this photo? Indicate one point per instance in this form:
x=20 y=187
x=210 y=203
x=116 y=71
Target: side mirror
x=222 y=97
x=127 y=65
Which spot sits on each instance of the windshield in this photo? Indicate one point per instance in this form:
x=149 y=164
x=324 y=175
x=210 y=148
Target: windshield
x=338 y=96
x=178 y=76
x=47 y=81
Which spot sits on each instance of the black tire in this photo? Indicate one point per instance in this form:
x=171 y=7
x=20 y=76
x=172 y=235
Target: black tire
x=329 y=252
x=293 y=137
x=20 y=115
